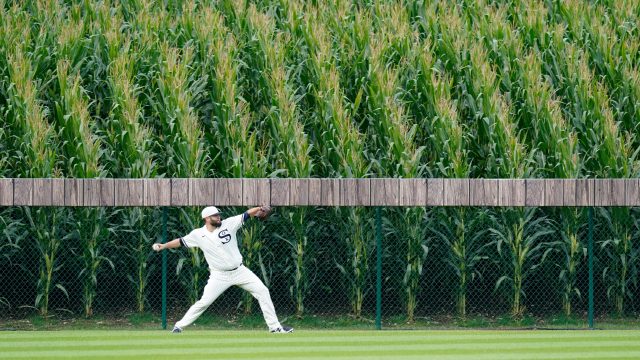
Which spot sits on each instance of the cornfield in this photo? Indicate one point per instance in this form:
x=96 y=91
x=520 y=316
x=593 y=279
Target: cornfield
x=289 y=88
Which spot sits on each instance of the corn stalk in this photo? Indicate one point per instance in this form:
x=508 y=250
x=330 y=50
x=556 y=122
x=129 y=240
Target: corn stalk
x=340 y=72
x=497 y=145
x=506 y=157
x=612 y=157
x=136 y=249
x=82 y=148
x=34 y=140
x=290 y=148
x=519 y=239
x=465 y=241
x=621 y=256
x=340 y=146
x=130 y=155
x=541 y=119
x=447 y=138
x=559 y=145
x=37 y=144
x=393 y=133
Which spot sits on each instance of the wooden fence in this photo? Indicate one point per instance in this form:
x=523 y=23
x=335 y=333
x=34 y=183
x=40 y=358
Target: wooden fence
x=319 y=192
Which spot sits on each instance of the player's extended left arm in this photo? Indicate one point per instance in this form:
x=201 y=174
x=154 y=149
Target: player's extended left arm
x=254 y=211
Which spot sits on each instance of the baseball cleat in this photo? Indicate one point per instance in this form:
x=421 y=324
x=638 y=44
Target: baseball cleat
x=283 y=330
x=176 y=330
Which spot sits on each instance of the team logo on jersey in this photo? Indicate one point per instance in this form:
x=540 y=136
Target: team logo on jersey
x=224 y=236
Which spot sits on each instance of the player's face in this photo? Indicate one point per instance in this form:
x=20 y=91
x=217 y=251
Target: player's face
x=215 y=220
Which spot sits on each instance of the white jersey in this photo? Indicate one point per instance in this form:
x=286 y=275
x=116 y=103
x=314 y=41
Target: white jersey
x=220 y=247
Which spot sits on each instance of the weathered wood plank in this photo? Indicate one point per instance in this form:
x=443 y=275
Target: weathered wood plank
x=603 y=192
x=330 y=192
x=157 y=192
x=363 y=192
x=136 y=192
x=201 y=192
x=315 y=192
x=299 y=195
x=585 y=192
x=385 y=192
x=6 y=192
x=632 y=191
x=280 y=191
x=435 y=192
x=250 y=192
x=348 y=192
x=483 y=192
x=107 y=192
x=91 y=192
x=413 y=192
x=256 y=192
x=456 y=192
x=535 y=192
x=264 y=192
x=180 y=190
x=235 y=192
x=129 y=192
x=222 y=192
x=57 y=192
x=569 y=192
x=227 y=192
x=23 y=192
x=42 y=192
x=73 y=192
x=511 y=192
x=618 y=192
x=553 y=192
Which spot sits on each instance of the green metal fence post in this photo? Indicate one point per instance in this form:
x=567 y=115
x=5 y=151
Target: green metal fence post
x=590 y=250
x=378 y=269
x=164 y=269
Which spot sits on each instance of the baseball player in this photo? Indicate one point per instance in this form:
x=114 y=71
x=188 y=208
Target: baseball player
x=217 y=240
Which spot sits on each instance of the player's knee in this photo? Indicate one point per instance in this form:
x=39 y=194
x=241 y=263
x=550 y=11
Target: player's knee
x=262 y=292
x=203 y=303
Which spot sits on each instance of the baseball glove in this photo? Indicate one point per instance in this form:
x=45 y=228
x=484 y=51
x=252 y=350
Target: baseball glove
x=264 y=212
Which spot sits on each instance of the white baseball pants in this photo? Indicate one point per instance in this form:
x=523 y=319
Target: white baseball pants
x=219 y=281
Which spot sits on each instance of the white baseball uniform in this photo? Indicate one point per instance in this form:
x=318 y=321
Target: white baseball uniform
x=220 y=249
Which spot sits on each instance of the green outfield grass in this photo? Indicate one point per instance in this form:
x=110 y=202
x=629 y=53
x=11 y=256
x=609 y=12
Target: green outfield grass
x=230 y=344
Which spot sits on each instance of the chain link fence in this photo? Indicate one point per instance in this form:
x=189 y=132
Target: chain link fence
x=450 y=266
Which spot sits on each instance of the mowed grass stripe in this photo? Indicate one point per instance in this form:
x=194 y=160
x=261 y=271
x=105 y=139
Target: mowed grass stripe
x=342 y=344
x=562 y=356
x=302 y=351
x=401 y=345
x=322 y=344
x=293 y=340
x=336 y=345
